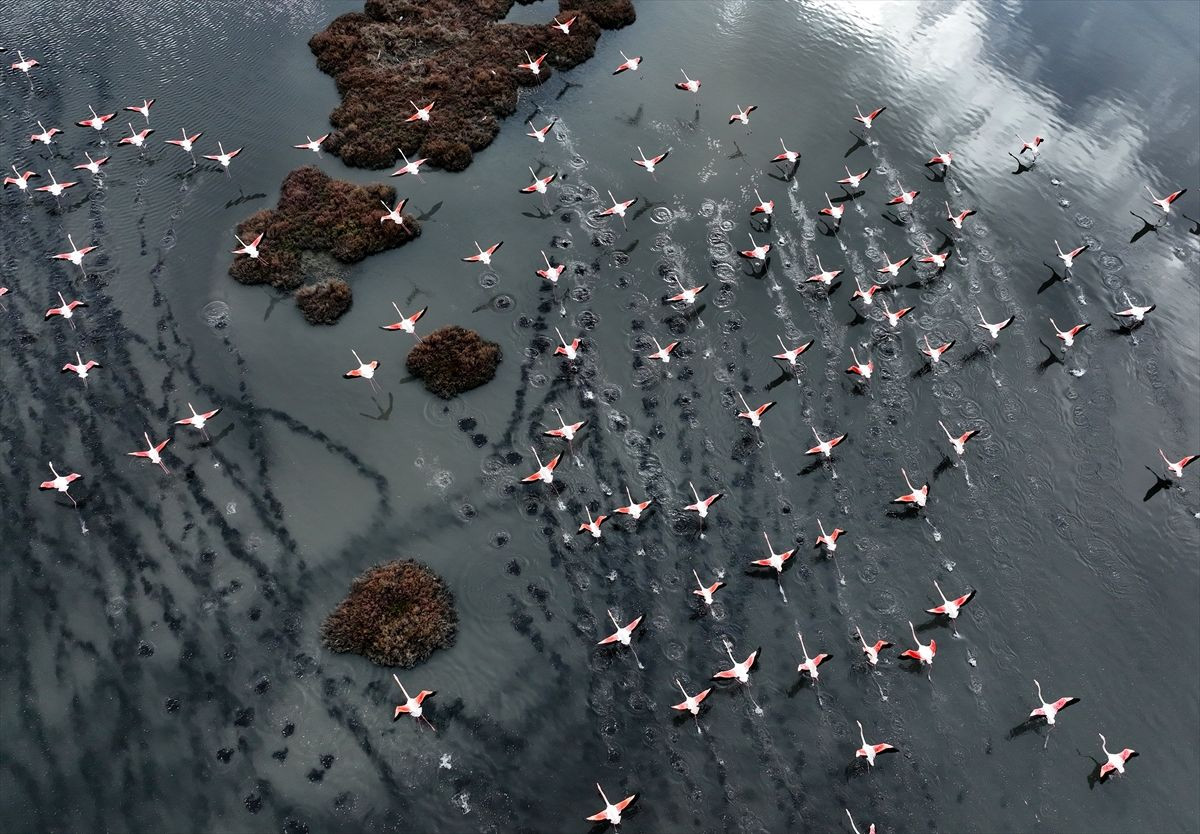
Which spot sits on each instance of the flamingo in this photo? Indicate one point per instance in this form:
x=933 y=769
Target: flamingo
x=634 y=509
x=853 y=180
x=739 y=671
x=1134 y=314
x=701 y=508
x=754 y=415
x=539 y=184
x=76 y=255
x=824 y=447
x=630 y=64
x=870 y=751
x=566 y=431
x=775 y=561
x=859 y=368
x=618 y=207
x=406 y=323
x=311 y=144
x=92 y=165
x=828 y=539
x=743 y=115
x=690 y=703
x=483 y=256
x=152 y=453
x=199 y=419
x=551 y=273
x=1176 y=467
x=143 y=108
x=623 y=634
x=66 y=309
x=1032 y=145
x=55 y=187
x=24 y=64
x=540 y=133
x=186 y=142
x=904 y=197
x=611 y=813
x=45 y=137
x=393 y=212
x=756 y=251
x=935 y=353
x=1068 y=258
x=766 y=207
x=1116 y=761
x=1165 y=202
x=96 y=122
x=1050 y=711
x=688 y=85
x=223 y=157
x=663 y=354
x=649 y=164
x=791 y=157
x=420 y=114
x=705 y=592
x=563 y=26
x=534 y=65
x=957 y=219
x=871 y=651
x=250 y=248
x=923 y=653
x=790 y=355
x=1068 y=336
x=950 y=607
x=831 y=210
x=593 y=525
x=61 y=483
x=914 y=497
x=893 y=319
x=823 y=276
x=868 y=119
x=545 y=471
x=569 y=350
x=809 y=664
x=410 y=166
x=993 y=329
x=365 y=370
x=686 y=295
x=959 y=443
x=854 y=828
x=865 y=295
x=891 y=267
x=21 y=180
x=938 y=259
x=136 y=138
x=412 y=703
x=945 y=159
x=80 y=368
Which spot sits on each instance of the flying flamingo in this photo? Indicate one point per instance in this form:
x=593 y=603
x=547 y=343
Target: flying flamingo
x=739 y=671
x=743 y=114
x=569 y=350
x=662 y=354
x=776 y=561
x=420 y=114
x=1176 y=468
x=539 y=184
x=854 y=828
x=393 y=212
x=81 y=368
x=61 y=483
x=66 y=309
x=688 y=85
x=891 y=267
x=831 y=210
x=365 y=370
x=756 y=251
x=870 y=751
x=623 y=635
x=993 y=329
x=957 y=219
x=754 y=415
x=545 y=471
x=483 y=256
x=540 y=133
x=593 y=525
x=152 y=453
x=705 y=592
x=700 y=508
x=649 y=164
x=136 y=138
x=945 y=159
x=198 y=420
x=250 y=248
x=809 y=665
x=563 y=26
x=551 y=273
x=828 y=539
x=904 y=197
x=1116 y=761
x=935 y=353
x=618 y=207
x=872 y=651
x=915 y=497
x=143 y=108
x=853 y=180
x=1165 y=202
x=21 y=180
x=634 y=509
x=566 y=431
x=950 y=608
x=311 y=144
x=1032 y=145
x=406 y=323
x=868 y=119
x=823 y=276
x=859 y=368
x=923 y=653
x=691 y=703
x=92 y=165
x=865 y=295
x=790 y=355
x=630 y=64
x=45 y=137
x=55 y=187
x=534 y=65
x=893 y=319
x=412 y=703
x=686 y=295
x=410 y=166
x=96 y=122
x=24 y=64
x=959 y=443
x=611 y=813
x=764 y=207
x=223 y=157
x=938 y=259
x=824 y=447
x=791 y=157
x=1134 y=314
x=1050 y=711
x=1068 y=336
x=186 y=142
x=1068 y=258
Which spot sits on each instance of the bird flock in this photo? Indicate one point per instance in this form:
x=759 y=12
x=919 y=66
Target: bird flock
x=914 y=499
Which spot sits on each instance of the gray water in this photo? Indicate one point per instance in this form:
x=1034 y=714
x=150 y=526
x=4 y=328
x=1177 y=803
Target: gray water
x=161 y=663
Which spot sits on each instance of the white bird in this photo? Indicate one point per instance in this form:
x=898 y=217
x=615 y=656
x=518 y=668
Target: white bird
x=1116 y=761
x=61 y=483
x=152 y=452
x=223 y=157
x=250 y=248
x=1050 y=710
x=311 y=144
x=611 y=813
x=80 y=368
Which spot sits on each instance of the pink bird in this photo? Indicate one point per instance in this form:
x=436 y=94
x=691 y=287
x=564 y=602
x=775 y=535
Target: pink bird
x=143 y=108
x=152 y=453
x=61 y=483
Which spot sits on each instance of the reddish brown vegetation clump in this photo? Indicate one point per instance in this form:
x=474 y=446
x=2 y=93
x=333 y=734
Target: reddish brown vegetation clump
x=396 y=614
x=451 y=360
x=318 y=214
x=325 y=301
x=452 y=52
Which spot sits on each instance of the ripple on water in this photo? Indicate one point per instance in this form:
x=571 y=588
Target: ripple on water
x=1083 y=221
x=215 y=314
x=707 y=208
x=440 y=412
x=661 y=214
x=488 y=280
